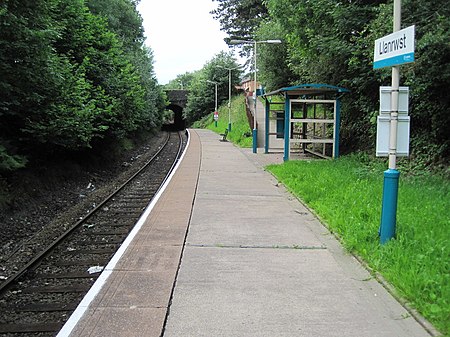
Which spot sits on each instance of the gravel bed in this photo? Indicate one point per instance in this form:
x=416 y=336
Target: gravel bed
x=45 y=214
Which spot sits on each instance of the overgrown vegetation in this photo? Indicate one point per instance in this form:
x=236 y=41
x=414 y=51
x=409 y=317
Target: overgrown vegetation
x=73 y=73
x=346 y=194
x=240 y=133
x=201 y=87
x=327 y=41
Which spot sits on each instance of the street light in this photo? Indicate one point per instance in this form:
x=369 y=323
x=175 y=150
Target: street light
x=229 y=93
x=215 y=106
x=254 y=133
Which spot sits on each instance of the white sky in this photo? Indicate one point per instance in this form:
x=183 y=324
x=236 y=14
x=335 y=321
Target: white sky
x=182 y=34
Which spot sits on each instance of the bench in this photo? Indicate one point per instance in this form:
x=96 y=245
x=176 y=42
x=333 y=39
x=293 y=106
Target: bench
x=224 y=136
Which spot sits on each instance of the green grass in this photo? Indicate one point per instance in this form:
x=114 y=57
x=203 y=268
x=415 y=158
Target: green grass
x=346 y=194
x=240 y=134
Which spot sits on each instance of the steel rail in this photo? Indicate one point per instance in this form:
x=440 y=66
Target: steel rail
x=5 y=285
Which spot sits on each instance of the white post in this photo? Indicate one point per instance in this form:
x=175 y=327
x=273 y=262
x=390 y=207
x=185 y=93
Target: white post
x=255 y=135
x=229 y=100
x=215 y=85
x=394 y=94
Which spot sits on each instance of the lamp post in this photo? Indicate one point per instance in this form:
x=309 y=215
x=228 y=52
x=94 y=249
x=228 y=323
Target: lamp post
x=215 y=105
x=229 y=93
x=255 y=131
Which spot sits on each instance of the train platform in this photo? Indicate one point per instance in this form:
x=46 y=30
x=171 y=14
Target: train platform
x=224 y=250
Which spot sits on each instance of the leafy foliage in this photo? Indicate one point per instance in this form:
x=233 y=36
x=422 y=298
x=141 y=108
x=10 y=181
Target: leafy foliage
x=328 y=41
x=272 y=58
x=8 y=162
x=70 y=76
x=240 y=18
x=182 y=81
x=201 y=98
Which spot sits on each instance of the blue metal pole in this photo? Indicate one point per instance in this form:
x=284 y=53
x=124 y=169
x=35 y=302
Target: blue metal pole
x=287 y=122
x=389 y=205
x=338 y=127
x=255 y=145
x=266 y=143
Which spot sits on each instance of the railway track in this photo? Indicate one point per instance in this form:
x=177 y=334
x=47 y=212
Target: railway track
x=41 y=296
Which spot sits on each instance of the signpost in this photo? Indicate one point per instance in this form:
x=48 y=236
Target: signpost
x=216 y=118
x=392 y=50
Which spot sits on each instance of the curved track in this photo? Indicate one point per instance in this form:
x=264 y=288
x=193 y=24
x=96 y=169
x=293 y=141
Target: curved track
x=40 y=297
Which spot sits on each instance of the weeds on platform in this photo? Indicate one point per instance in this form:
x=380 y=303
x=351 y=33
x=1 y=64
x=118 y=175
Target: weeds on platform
x=346 y=194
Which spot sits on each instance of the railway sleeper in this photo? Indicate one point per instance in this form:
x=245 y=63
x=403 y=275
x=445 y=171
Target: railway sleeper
x=111 y=231
x=136 y=197
x=94 y=251
x=44 y=307
x=76 y=288
x=30 y=328
x=64 y=263
x=102 y=242
x=68 y=275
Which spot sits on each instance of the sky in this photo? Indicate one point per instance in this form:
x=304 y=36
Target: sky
x=182 y=34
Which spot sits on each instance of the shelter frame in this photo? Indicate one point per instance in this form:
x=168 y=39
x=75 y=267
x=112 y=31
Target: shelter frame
x=304 y=128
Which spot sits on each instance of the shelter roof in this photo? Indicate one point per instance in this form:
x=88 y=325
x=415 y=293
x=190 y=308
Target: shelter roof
x=308 y=89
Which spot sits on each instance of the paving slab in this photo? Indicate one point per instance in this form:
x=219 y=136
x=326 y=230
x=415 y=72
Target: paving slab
x=258 y=263
x=123 y=321
x=276 y=292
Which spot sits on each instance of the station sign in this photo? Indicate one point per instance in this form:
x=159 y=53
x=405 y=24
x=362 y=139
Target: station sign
x=394 y=49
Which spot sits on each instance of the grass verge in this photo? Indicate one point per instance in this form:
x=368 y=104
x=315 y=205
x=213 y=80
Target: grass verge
x=240 y=133
x=346 y=194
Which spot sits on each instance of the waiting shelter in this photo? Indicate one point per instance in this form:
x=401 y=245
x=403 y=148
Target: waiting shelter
x=305 y=117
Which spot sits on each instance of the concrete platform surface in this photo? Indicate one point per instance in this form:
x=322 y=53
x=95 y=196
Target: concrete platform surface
x=226 y=251
x=132 y=295
x=258 y=263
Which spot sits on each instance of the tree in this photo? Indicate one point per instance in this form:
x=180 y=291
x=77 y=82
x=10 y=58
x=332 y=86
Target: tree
x=240 y=18
x=123 y=20
x=429 y=78
x=273 y=63
x=26 y=59
x=201 y=98
x=182 y=81
x=68 y=80
x=331 y=42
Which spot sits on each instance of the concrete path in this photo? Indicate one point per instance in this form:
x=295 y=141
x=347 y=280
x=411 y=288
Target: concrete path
x=258 y=263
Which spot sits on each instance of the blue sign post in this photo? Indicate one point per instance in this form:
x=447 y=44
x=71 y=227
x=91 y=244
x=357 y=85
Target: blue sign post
x=393 y=50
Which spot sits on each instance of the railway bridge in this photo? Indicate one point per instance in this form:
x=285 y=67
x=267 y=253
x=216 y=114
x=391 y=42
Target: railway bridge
x=177 y=103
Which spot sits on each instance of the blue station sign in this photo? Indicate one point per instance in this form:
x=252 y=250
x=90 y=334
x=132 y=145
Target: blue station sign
x=394 y=49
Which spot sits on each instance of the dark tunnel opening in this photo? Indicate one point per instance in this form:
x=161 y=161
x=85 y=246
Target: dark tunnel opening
x=178 y=123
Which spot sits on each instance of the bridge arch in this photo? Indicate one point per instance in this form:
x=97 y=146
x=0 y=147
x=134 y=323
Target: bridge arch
x=177 y=104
